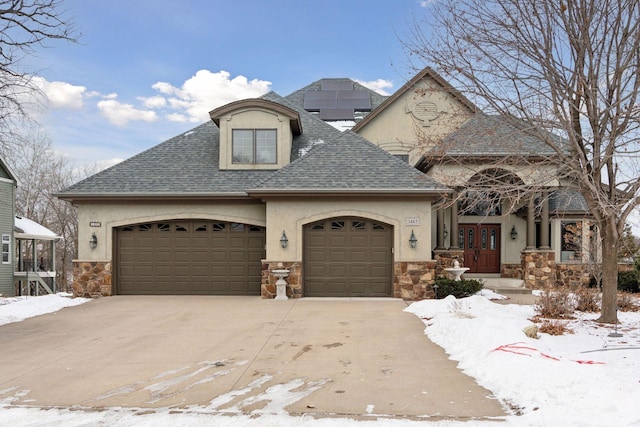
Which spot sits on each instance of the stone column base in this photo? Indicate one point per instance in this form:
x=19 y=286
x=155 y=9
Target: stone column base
x=539 y=268
x=294 y=282
x=92 y=279
x=414 y=280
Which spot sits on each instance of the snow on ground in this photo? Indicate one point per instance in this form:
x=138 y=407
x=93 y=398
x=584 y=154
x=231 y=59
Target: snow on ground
x=16 y=309
x=582 y=379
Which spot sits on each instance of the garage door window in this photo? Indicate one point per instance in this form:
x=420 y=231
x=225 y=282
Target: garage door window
x=358 y=225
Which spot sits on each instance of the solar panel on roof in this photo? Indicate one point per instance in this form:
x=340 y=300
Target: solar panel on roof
x=317 y=99
x=337 y=100
x=320 y=94
x=336 y=85
x=355 y=104
x=318 y=104
x=336 y=114
x=353 y=94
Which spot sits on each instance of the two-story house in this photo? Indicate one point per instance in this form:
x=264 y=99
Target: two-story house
x=276 y=181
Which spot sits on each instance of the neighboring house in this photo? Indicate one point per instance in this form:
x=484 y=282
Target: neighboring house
x=8 y=185
x=35 y=264
x=27 y=263
x=273 y=182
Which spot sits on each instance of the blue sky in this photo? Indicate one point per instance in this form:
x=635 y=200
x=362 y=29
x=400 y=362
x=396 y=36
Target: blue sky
x=146 y=70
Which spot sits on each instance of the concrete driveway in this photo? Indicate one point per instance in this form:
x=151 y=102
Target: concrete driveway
x=344 y=357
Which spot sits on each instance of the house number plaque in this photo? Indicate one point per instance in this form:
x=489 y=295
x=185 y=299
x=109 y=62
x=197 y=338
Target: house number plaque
x=95 y=224
x=412 y=221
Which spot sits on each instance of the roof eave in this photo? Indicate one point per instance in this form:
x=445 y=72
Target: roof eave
x=347 y=191
x=293 y=115
x=150 y=196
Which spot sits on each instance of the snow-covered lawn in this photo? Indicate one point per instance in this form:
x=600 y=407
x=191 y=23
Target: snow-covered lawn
x=16 y=309
x=582 y=379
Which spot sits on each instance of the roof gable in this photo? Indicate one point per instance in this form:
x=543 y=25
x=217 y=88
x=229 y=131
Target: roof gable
x=6 y=172
x=260 y=103
x=410 y=85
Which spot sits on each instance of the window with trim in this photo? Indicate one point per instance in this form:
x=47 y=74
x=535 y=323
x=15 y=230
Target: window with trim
x=6 y=249
x=571 y=240
x=254 y=146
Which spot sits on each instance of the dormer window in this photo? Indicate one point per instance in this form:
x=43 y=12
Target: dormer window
x=255 y=134
x=254 y=146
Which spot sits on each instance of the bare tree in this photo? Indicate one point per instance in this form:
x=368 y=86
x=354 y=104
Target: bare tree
x=569 y=68
x=42 y=173
x=24 y=26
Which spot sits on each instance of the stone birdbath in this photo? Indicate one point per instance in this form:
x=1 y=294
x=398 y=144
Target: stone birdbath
x=456 y=271
x=281 y=284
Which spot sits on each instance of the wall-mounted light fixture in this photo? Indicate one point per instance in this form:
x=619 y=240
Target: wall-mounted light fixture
x=412 y=240
x=445 y=232
x=514 y=233
x=93 y=241
x=283 y=240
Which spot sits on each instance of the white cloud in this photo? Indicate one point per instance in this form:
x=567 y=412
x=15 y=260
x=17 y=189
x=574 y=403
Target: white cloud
x=206 y=91
x=378 y=85
x=61 y=94
x=153 y=101
x=176 y=117
x=190 y=102
x=120 y=114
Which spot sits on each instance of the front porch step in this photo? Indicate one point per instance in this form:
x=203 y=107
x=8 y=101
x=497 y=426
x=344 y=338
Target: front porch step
x=513 y=291
x=505 y=286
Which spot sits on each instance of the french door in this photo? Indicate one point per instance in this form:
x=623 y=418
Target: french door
x=481 y=244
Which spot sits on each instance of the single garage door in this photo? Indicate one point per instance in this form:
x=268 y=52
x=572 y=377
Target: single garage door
x=348 y=257
x=189 y=257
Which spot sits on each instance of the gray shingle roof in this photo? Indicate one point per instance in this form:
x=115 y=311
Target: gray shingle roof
x=188 y=165
x=484 y=135
x=314 y=128
x=185 y=164
x=567 y=200
x=349 y=163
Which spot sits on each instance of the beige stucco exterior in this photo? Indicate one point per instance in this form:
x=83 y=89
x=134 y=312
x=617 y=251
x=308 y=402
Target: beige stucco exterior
x=419 y=117
x=457 y=175
x=277 y=216
x=110 y=215
x=255 y=118
x=291 y=216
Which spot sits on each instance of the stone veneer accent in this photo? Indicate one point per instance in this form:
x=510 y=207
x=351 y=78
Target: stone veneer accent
x=538 y=268
x=92 y=279
x=572 y=275
x=511 y=271
x=414 y=280
x=294 y=280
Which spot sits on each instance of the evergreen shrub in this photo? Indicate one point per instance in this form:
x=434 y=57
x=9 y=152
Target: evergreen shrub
x=460 y=289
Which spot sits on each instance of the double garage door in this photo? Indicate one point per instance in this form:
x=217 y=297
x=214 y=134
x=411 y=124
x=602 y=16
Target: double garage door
x=189 y=257
x=343 y=256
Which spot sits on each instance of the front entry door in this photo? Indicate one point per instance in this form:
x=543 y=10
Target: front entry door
x=481 y=243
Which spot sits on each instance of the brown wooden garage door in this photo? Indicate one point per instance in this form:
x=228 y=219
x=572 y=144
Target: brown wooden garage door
x=189 y=257
x=349 y=257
